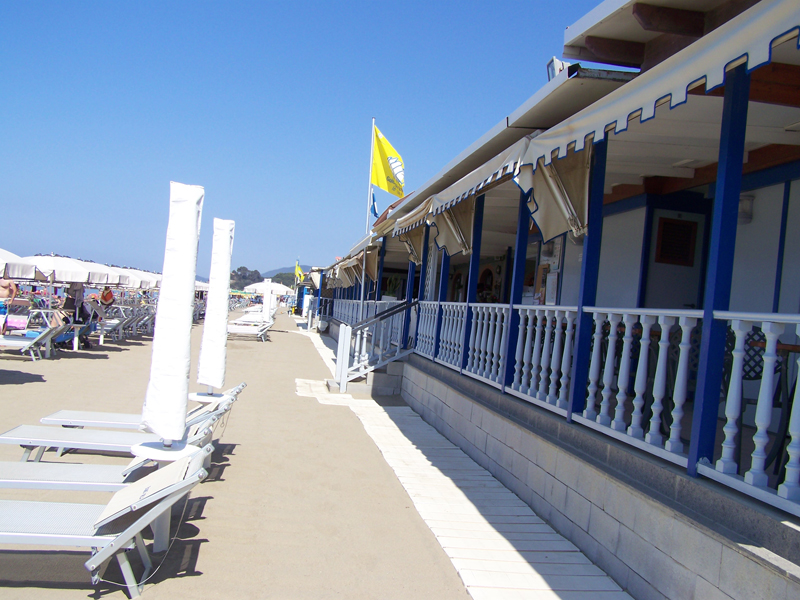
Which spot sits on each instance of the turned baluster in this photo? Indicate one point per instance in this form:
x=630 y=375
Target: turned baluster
x=624 y=374
x=566 y=362
x=790 y=488
x=674 y=443
x=533 y=382
x=756 y=475
x=733 y=401
x=654 y=436
x=640 y=384
x=526 y=359
x=544 y=373
x=555 y=360
x=608 y=372
x=590 y=412
x=518 y=354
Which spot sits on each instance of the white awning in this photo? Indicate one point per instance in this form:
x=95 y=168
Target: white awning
x=746 y=39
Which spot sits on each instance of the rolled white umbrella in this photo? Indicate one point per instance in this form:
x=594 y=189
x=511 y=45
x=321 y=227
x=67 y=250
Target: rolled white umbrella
x=214 y=344
x=164 y=411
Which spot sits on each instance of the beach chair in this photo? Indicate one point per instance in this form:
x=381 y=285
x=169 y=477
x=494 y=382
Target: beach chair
x=74 y=476
x=33 y=346
x=108 y=420
x=108 y=530
x=41 y=437
x=258 y=330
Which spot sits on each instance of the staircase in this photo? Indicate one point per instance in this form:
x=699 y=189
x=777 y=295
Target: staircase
x=368 y=350
x=384 y=381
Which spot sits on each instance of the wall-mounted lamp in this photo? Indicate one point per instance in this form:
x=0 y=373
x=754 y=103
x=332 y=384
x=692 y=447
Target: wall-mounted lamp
x=745 y=209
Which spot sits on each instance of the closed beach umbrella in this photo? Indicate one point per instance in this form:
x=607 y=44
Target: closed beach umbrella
x=214 y=344
x=164 y=411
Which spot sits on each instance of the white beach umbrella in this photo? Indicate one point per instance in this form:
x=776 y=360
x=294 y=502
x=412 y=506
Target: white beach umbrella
x=164 y=411
x=127 y=278
x=148 y=280
x=12 y=268
x=62 y=269
x=111 y=276
x=214 y=344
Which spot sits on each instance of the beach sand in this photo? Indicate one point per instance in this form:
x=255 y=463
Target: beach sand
x=299 y=503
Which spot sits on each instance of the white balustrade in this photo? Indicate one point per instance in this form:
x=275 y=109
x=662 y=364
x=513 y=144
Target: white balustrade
x=543 y=354
x=487 y=341
x=426 y=331
x=451 y=336
x=624 y=370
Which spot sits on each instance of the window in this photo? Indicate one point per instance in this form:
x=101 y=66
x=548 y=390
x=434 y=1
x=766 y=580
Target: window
x=676 y=241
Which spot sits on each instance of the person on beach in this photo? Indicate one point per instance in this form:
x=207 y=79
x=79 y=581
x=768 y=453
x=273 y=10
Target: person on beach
x=107 y=297
x=8 y=291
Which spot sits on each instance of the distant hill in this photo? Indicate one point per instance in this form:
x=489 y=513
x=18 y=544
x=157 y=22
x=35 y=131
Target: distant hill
x=273 y=272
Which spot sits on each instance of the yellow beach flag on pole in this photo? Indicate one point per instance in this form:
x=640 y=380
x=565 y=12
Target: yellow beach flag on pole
x=387 y=166
x=298 y=272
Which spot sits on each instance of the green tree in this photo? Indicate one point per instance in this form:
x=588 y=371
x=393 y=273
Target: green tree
x=286 y=279
x=242 y=277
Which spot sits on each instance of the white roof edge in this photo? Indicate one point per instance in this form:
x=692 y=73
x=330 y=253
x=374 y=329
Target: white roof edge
x=599 y=13
x=487 y=137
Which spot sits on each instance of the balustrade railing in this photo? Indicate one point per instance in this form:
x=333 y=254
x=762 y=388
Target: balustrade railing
x=487 y=342
x=543 y=354
x=760 y=452
x=451 y=333
x=372 y=342
x=642 y=376
x=426 y=328
x=642 y=372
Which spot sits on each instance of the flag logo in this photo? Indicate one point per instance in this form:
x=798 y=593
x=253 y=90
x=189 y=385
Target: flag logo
x=388 y=171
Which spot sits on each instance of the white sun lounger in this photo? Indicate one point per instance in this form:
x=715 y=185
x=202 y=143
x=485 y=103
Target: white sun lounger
x=73 y=476
x=33 y=346
x=105 y=529
x=97 y=440
x=256 y=330
x=108 y=420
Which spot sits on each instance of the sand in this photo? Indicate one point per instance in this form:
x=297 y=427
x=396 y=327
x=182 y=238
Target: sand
x=299 y=503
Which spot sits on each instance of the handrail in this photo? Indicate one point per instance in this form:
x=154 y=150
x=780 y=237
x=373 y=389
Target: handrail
x=389 y=312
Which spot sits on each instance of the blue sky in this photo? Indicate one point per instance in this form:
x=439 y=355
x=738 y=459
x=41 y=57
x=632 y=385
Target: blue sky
x=267 y=105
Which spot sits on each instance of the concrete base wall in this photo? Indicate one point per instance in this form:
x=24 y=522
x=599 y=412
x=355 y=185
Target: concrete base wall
x=657 y=532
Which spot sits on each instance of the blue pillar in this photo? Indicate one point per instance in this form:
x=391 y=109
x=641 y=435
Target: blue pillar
x=720 y=266
x=472 y=280
x=515 y=273
x=423 y=271
x=412 y=271
x=423 y=268
x=776 y=297
x=590 y=267
x=443 y=281
x=319 y=290
x=378 y=290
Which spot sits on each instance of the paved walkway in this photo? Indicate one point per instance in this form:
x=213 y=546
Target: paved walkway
x=501 y=549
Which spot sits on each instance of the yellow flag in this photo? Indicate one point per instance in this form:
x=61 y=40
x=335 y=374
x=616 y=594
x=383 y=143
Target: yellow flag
x=387 y=166
x=298 y=272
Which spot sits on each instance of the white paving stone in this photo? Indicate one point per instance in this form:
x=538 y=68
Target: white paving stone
x=501 y=549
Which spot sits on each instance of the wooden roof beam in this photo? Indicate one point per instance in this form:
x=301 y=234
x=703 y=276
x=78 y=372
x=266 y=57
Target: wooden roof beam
x=669 y=20
x=616 y=52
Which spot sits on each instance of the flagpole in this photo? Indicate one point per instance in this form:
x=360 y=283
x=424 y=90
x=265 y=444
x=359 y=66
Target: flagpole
x=366 y=225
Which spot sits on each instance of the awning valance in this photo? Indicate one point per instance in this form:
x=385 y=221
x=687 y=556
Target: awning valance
x=454 y=227
x=746 y=39
x=414 y=219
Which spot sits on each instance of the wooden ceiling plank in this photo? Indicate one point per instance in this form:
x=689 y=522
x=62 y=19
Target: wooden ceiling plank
x=669 y=20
